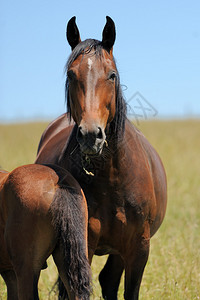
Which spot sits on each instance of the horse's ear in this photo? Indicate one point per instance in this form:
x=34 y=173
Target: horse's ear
x=72 y=33
x=109 y=34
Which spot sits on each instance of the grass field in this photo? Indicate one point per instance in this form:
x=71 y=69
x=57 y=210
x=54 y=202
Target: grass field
x=173 y=269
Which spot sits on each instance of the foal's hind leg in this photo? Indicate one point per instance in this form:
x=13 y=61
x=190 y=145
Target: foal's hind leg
x=6 y=268
x=27 y=282
x=26 y=272
x=11 y=282
x=18 y=280
x=29 y=246
x=110 y=276
x=58 y=259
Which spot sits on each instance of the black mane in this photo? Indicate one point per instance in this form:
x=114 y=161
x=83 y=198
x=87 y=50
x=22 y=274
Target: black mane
x=116 y=127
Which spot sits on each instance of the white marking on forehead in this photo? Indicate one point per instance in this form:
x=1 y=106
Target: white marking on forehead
x=90 y=63
x=90 y=102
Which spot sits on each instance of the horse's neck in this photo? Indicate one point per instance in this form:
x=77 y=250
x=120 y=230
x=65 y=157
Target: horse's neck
x=112 y=156
x=69 y=146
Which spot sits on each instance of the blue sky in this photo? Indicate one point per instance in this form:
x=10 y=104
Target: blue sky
x=157 y=52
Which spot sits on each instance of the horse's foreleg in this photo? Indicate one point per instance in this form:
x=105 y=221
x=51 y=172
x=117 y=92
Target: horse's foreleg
x=110 y=276
x=11 y=282
x=134 y=267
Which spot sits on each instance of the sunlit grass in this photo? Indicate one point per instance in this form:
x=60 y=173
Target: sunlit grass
x=173 y=269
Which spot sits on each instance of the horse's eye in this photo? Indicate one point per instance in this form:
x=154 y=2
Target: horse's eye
x=112 y=76
x=71 y=75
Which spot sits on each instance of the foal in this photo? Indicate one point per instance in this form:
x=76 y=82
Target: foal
x=43 y=211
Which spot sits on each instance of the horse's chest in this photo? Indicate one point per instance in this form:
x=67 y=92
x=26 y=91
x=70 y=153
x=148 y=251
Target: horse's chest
x=107 y=225
x=107 y=214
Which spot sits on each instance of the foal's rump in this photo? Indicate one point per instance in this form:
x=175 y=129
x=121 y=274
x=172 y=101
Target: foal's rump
x=27 y=196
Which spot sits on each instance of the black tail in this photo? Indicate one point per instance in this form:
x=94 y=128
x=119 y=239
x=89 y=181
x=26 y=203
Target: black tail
x=69 y=220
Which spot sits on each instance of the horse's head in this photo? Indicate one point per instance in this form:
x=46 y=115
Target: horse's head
x=92 y=86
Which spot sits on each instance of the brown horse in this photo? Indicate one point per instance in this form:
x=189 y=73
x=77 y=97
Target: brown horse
x=43 y=211
x=119 y=171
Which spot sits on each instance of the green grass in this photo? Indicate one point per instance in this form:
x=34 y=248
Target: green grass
x=173 y=268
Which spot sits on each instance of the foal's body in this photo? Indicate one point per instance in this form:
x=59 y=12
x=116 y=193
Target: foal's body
x=36 y=204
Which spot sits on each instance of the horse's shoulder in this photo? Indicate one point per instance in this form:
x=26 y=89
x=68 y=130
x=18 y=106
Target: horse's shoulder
x=53 y=141
x=54 y=128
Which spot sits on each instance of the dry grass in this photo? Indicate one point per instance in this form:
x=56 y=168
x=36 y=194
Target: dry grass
x=173 y=269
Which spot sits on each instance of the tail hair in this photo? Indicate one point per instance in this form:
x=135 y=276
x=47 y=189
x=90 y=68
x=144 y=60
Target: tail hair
x=69 y=222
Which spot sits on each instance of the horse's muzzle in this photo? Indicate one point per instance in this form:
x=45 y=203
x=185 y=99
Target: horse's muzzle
x=91 y=142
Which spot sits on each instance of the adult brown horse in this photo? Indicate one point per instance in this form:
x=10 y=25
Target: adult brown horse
x=120 y=173
x=42 y=212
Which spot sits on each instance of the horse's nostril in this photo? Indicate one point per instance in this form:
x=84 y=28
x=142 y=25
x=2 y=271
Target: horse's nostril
x=99 y=133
